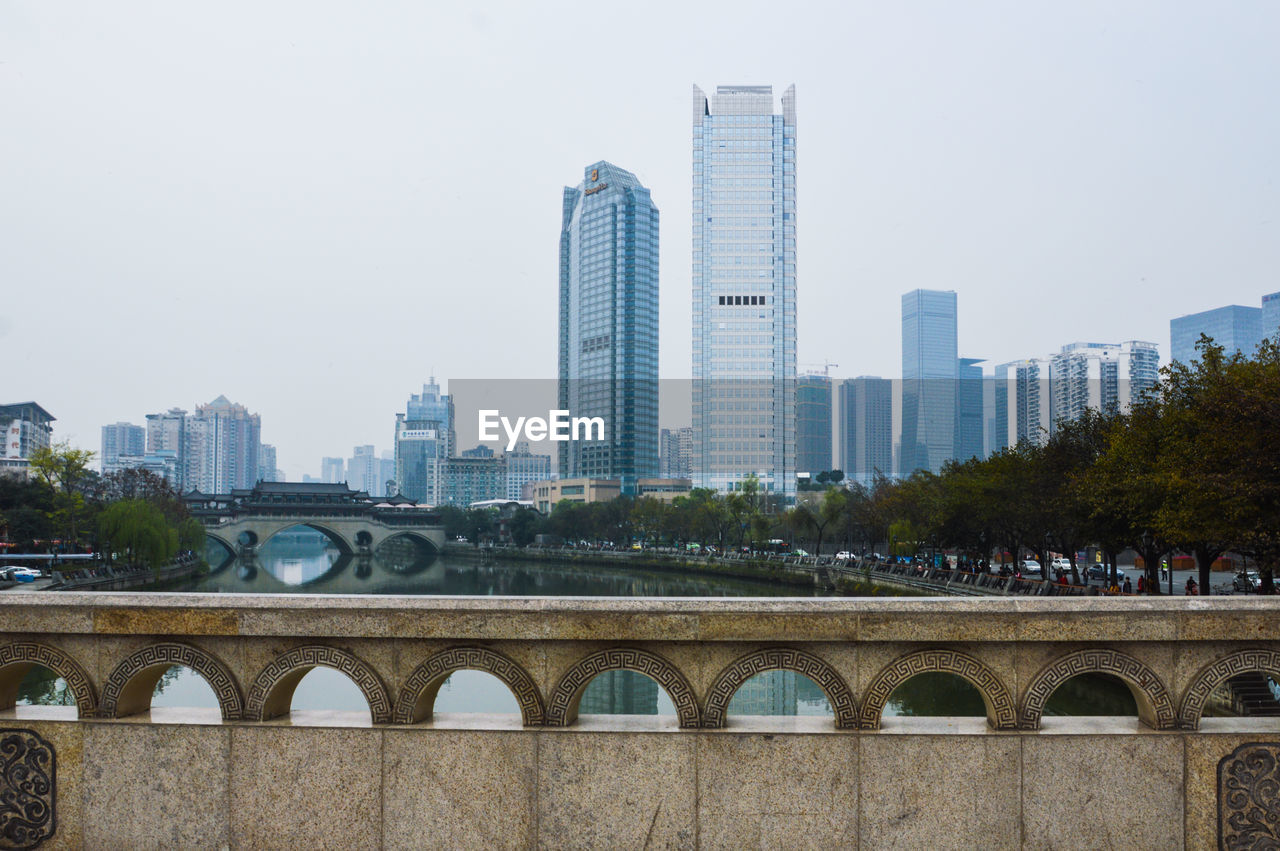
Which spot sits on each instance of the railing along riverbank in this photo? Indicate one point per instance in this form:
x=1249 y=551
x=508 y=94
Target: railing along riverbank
x=113 y=772
x=124 y=577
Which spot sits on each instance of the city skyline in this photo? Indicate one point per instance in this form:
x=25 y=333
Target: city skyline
x=1105 y=167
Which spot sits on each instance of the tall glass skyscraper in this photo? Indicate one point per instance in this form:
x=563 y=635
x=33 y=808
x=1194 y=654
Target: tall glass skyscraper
x=744 y=288
x=424 y=441
x=813 y=424
x=609 y=324
x=1234 y=327
x=930 y=381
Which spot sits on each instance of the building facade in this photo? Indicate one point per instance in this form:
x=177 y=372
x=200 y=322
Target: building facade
x=524 y=467
x=424 y=439
x=473 y=477
x=744 y=288
x=224 y=439
x=866 y=428
x=364 y=471
x=121 y=440
x=813 y=424
x=676 y=453
x=1023 y=403
x=1234 y=327
x=267 y=469
x=971 y=413
x=608 y=352
x=1107 y=377
x=930 y=381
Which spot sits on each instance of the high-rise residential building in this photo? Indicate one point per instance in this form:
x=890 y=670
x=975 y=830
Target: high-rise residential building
x=1234 y=327
x=267 y=469
x=1023 y=403
x=1107 y=377
x=866 y=428
x=424 y=439
x=744 y=288
x=676 y=453
x=223 y=440
x=930 y=381
x=26 y=427
x=364 y=471
x=813 y=424
x=387 y=472
x=167 y=432
x=524 y=467
x=121 y=440
x=333 y=470
x=608 y=357
x=971 y=414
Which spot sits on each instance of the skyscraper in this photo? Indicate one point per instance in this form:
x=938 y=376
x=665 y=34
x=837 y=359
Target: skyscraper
x=744 y=288
x=424 y=441
x=930 y=379
x=1108 y=377
x=866 y=428
x=224 y=439
x=971 y=413
x=608 y=359
x=364 y=471
x=1234 y=327
x=813 y=424
x=676 y=461
x=1023 y=403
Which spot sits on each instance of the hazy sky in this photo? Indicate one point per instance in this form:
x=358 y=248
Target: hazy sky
x=311 y=207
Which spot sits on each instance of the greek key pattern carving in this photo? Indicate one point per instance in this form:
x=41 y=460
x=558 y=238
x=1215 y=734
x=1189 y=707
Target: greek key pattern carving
x=58 y=662
x=1217 y=673
x=331 y=657
x=1097 y=660
x=28 y=788
x=214 y=672
x=994 y=692
x=780 y=659
x=1249 y=797
x=575 y=681
x=444 y=663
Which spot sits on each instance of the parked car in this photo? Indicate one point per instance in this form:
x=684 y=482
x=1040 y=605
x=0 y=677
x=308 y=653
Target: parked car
x=1247 y=582
x=1030 y=566
x=19 y=574
x=844 y=555
x=1061 y=564
x=799 y=552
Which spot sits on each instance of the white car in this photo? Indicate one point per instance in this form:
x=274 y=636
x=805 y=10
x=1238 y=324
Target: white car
x=845 y=555
x=1063 y=564
x=19 y=574
x=1030 y=566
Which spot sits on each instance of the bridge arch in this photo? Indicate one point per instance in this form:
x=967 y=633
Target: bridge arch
x=1253 y=660
x=1155 y=707
x=336 y=537
x=418 y=694
x=272 y=692
x=562 y=709
x=995 y=695
x=17 y=659
x=132 y=684
x=780 y=659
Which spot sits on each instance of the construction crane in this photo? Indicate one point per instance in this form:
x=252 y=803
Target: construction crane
x=826 y=367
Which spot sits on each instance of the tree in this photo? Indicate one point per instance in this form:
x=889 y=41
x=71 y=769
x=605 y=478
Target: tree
x=64 y=471
x=139 y=530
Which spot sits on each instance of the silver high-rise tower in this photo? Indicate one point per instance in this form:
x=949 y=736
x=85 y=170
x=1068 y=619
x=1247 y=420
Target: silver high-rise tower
x=744 y=288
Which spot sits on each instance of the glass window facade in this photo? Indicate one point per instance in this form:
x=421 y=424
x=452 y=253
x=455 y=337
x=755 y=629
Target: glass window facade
x=744 y=288
x=608 y=359
x=866 y=428
x=1236 y=328
x=930 y=376
x=813 y=424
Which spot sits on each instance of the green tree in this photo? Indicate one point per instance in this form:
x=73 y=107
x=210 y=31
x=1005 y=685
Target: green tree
x=65 y=472
x=139 y=530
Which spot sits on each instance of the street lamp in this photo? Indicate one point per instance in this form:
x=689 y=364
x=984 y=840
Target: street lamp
x=1048 y=542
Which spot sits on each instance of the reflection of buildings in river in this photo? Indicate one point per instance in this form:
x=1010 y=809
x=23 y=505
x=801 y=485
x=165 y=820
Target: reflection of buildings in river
x=620 y=693
x=770 y=693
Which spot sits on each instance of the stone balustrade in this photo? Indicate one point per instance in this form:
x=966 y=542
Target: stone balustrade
x=706 y=779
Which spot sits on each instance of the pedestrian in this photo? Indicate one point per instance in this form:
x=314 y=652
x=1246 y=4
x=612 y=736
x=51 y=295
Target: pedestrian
x=1192 y=588
x=1128 y=586
x=1142 y=584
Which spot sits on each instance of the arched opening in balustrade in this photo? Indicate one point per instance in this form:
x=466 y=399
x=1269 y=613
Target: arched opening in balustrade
x=935 y=694
x=623 y=681
x=176 y=683
x=1097 y=682
x=780 y=681
x=303 y=554
x=37 y=675
x=780 y=693
x=321 y=686
x=1245 y=684
x=471 y=681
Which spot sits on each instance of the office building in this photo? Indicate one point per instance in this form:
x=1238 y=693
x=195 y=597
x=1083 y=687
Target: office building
x=26 y=427
x=744 y=288
x=971 y=414
x=524 y=467
x=866 y=428
x=930 y=378
x=676 y=453
x=121 y=440
x=1271 y=317
x=222 y=441
x=473 y=477
x=387 y=472
x=813 y=425
x=608 y=353
x=162 y=463
x=424 y=439
x=1234 y=327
